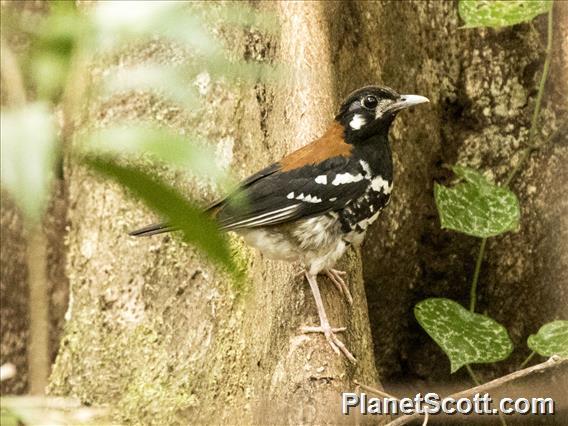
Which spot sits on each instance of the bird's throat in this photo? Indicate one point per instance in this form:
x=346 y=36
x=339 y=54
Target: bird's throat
x=377 y=153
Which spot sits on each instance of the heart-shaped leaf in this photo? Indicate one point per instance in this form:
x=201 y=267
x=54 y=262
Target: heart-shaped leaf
x=464 y=336
x=499 y=13
x=476 y=206
x=551 y=339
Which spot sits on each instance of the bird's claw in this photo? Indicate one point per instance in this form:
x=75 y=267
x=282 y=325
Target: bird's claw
x=336 y=344
x=336 y=278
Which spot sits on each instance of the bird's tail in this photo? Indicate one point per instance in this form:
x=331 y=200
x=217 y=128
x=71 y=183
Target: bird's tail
x=154 y=229
x=161 y=228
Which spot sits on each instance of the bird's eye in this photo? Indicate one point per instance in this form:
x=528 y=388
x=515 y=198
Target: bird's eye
x=370 y=102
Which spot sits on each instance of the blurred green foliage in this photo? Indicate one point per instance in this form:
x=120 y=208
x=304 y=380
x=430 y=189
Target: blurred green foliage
x=50 y=85
x=198 y=227
x=28 y=156
x=64 y=42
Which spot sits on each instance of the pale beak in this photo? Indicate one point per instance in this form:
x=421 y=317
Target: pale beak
x=406 y=101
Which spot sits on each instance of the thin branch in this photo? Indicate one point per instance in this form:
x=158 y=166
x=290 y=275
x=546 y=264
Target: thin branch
x=554 y=361
x=36 y=253
x=376 y=391
x=38 y=350
x=477 y=383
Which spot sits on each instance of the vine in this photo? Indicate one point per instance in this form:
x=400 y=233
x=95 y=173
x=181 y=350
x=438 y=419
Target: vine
x=482 y=209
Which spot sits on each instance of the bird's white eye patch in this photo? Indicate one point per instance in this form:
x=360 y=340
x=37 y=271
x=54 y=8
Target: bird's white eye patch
x=357 y=122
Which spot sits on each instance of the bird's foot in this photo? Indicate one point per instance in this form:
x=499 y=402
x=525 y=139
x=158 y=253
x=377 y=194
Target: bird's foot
x=329 y=333
x=336 y=278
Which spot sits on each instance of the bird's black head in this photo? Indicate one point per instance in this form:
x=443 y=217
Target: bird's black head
x=371 y=110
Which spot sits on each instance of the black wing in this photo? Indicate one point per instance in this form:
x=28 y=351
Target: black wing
x=273 y=196
x=160 y=228
x=283 y=196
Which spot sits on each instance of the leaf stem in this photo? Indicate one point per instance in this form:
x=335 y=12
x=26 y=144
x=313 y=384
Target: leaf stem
x=472 y=375
x=531 y=146
x=474 y=280
x=526 y=361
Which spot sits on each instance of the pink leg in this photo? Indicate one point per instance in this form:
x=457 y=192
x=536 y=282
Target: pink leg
x=336 y=278
x=336 y=344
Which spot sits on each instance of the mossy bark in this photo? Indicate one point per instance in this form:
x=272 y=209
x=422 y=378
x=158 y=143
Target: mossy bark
x=482 y=84
x=157 y=332
x=164 y=338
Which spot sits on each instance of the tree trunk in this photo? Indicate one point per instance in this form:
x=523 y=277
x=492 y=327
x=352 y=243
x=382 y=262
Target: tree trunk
x=156 y=331
x=14 y=291
x=482 y=84
x=159 y=333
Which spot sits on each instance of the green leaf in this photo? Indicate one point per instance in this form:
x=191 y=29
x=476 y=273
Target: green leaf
x=476 y=207
x=118 y=22
x=500 y=13
x=464 y=336
x=551 y=339
x=194 y=157
x=239 y=13
x=54 y=42
x=197 y=227
x=28 y=157
x=167 y=81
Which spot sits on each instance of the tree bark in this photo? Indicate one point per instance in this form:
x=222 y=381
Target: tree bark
x=156 y=331
x=14 y=275
x=14 y=291
x=482 y=84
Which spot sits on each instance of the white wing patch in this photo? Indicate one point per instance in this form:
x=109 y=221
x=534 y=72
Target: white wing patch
x=343 y=178
x=308 y=198
x=366 y=169
x=378 y=184
x=321 y=179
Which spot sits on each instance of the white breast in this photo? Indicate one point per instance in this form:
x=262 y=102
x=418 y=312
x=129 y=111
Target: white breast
x=316 y=242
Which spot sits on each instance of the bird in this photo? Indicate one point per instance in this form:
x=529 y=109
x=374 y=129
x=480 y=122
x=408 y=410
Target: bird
x=319 y=200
